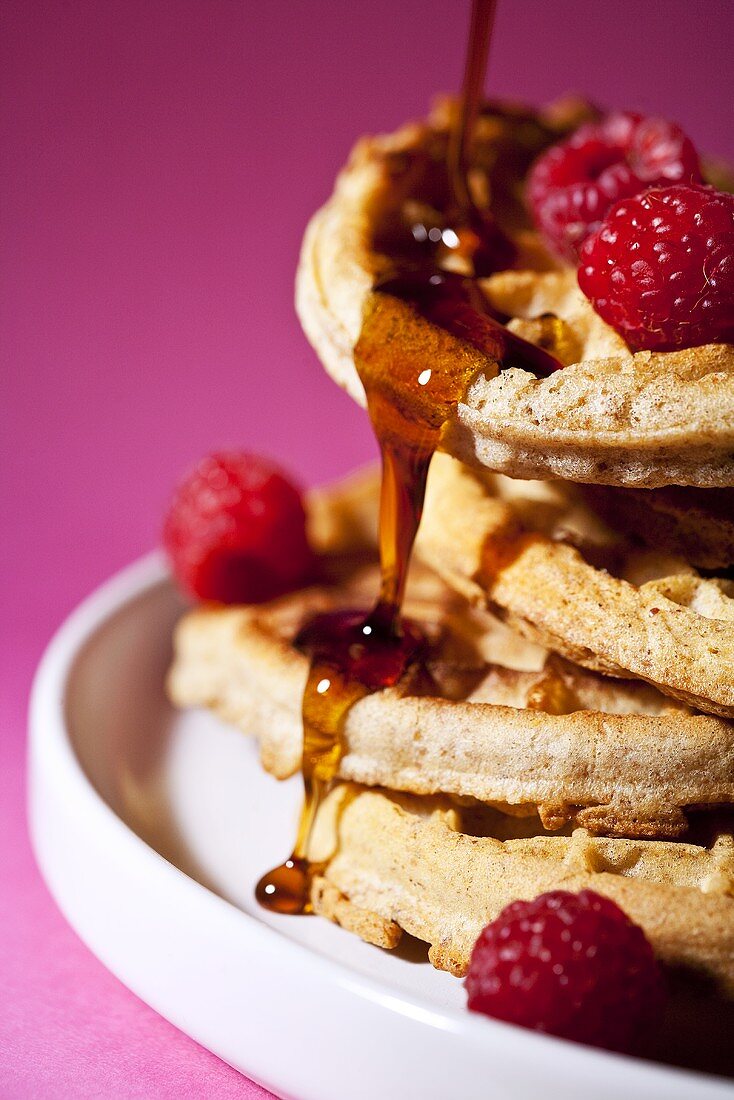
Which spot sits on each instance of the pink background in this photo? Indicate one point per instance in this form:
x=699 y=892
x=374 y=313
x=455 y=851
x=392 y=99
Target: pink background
x=160 y=160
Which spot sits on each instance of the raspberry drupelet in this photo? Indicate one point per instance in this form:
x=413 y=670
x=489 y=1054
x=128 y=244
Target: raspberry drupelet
x=571 y=965
x=573 y=184
x=236 y=531
x=660 y=268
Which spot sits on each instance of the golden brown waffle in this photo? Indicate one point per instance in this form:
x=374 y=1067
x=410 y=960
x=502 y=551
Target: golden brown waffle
x=512 y=727
x=394 y=864
x=609 y=417
x=511 y=546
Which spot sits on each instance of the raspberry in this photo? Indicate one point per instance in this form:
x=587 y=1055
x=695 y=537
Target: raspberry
x=236 y=531
x=572 y=965
x=660 y=268
x=573 y=184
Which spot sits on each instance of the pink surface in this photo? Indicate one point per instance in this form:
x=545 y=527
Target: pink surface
x=160 y=162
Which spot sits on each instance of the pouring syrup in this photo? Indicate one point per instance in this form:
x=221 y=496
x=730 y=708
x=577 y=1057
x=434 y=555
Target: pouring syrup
x=426 y=332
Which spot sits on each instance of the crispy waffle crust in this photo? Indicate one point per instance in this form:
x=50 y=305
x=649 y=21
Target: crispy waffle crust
x=396 y=864
x=510 y=546
x=609 y=417
x=616 y=756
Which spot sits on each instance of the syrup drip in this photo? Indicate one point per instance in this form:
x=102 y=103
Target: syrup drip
x=425 y=334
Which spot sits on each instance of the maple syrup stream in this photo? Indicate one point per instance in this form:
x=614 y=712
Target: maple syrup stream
x=425 y=333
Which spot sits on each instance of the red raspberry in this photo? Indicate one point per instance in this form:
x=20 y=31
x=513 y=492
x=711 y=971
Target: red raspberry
x=572 y=965
x=236 y=531
x=660 y=268
x=573 y=184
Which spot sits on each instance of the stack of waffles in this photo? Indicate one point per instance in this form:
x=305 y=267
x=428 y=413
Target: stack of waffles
x=573 y=726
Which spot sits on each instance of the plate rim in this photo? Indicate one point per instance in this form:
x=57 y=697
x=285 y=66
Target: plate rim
x=50 y=749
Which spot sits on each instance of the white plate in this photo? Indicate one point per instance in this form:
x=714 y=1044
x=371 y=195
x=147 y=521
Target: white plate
x=151 y=828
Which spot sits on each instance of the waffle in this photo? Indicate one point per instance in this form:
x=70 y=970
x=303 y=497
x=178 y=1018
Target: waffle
x=394 y=863
x=695 y=524
x=510 y=546
x=572 y=725
x=609 y=417
x=498 y=721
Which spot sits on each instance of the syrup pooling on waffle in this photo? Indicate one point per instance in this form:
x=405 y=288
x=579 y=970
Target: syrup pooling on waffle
x=649 y=419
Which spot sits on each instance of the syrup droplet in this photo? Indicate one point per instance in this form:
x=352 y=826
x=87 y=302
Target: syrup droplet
x=285 y=889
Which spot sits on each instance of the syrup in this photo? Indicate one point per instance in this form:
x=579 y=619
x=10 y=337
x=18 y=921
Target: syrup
x=426 y=332
x=352 y=654
x=477 y=232
x=459 y=157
